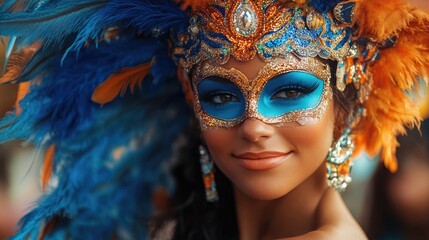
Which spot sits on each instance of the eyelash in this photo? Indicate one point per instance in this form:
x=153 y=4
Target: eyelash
x=298 y=87
x=209 y=97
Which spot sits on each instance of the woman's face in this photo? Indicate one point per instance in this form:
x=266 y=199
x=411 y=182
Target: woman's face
x=265 y=161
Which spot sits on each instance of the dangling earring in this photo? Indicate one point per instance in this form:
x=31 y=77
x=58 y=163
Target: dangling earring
x=208 y=175
x=338 y=162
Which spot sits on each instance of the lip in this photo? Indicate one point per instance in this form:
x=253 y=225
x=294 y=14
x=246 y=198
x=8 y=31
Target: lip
x=262 y=160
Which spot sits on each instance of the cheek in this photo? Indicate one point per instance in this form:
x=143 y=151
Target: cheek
x=313 y=141
x=219 y=141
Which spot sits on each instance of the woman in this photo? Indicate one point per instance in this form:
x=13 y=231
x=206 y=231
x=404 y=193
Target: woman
x=277 y=87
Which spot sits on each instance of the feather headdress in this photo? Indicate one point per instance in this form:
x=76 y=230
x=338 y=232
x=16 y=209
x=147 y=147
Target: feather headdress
x=78 y=56
x=389 y=107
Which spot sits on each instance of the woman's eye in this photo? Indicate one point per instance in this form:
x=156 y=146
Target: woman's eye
x=288 y=93
x=223 y=98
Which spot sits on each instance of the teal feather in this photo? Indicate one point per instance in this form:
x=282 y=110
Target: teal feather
x=9 y=49
x=51 y=23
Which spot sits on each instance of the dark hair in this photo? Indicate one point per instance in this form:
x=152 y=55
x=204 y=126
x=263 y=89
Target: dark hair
x=345 y=102
x=193 y=216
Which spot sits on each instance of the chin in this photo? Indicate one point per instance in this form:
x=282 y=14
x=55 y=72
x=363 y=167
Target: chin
x=262 y=191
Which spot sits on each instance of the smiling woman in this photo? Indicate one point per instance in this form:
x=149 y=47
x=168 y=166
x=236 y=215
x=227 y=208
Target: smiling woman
x=283 y=94
x=272 y=156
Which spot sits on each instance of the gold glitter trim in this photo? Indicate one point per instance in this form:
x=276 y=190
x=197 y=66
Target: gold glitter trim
x=252 y=88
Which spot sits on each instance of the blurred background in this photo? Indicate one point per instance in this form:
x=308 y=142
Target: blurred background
x=388 y=206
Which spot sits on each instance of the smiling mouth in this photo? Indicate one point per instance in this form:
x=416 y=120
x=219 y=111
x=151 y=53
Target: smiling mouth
x=262 y=160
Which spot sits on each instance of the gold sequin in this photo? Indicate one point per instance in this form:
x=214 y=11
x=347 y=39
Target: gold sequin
x=245 y=23
x=252 y=88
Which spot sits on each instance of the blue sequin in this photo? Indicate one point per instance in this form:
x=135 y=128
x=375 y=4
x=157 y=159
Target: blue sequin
x=345 y=39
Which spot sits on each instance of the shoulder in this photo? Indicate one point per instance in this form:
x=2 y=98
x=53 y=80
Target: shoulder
x=334 y=220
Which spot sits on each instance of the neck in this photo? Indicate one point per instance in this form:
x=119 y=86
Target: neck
x=290 y=215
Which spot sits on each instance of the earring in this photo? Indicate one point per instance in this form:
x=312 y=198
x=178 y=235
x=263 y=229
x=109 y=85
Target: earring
x=338 y=162
x=208 y=175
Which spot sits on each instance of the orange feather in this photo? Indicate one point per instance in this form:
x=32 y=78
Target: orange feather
x=49 y=227
x=17 y=62
x=47 y=167
x=424 y=104
x=390 y=110
x=119 y=82
x=23 y=89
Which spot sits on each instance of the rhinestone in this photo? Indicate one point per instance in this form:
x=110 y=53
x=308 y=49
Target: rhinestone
x=341 y=71
x=245 y=19
x=299 y=23
x=315 y=20
x=194 y=29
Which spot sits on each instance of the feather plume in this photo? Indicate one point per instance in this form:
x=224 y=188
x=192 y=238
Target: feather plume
x=390 y=109
x=17 y=62
x=41 y=62
x=119 y=82
x=23 y=89
x=52 y=24
x=47 y=167
x=58 y=110
x=83 y=20
x=20 y=5
x=9 y=45
x=424 y=104
x=161 y=15
x=49 y=227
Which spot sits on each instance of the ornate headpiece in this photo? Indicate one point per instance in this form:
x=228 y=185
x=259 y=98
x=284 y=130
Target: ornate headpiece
x=267 y=28
x=272 y=29
x=381 y=47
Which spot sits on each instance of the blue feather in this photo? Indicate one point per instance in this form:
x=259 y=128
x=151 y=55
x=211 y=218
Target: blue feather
x=52 y=23
x=61 y=111
x=9 y=48
x=111 y=197
x=26 y=5
x=153 y=14
x=124 y=185
x=324 y=6
x=99 y=193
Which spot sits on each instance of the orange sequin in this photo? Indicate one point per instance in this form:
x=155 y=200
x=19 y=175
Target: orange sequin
x=241 y=30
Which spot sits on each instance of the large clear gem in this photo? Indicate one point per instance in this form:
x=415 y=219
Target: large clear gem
x=245 y=19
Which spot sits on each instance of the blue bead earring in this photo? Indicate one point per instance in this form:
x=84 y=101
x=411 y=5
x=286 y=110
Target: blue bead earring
x=207 y=169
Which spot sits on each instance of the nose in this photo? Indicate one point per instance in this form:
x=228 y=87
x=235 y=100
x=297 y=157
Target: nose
x=254 y=130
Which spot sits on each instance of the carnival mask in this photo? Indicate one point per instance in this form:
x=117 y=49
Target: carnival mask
x=270 y=30
x=284 y=92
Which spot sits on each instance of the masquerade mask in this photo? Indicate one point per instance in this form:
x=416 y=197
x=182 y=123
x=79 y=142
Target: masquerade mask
x=284 y=92
x=271 y=30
